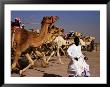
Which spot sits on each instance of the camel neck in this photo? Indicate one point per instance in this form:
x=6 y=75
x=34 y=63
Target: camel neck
x=44 y=29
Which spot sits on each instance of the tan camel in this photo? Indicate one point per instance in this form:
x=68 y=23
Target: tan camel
x=88 y=42
x=24 y=39
x=58 y=42
x=88 y=39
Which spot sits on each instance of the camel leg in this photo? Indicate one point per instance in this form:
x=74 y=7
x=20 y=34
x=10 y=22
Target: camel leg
x=47 y=52
x=45 y=63
x=62 y=51
x=59 y=55
x=15 y=61
x=31 y=54
x=44 y=59
x=50 y=56
x=31 y=63
x=18 y=65
x=42 y=55
x=12 y=42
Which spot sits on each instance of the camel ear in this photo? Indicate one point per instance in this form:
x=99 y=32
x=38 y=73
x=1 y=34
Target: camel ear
x=62 y=30
x=53 y=27
x=57 y=17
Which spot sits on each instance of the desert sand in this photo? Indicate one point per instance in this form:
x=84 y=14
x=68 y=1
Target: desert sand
x=55 y=69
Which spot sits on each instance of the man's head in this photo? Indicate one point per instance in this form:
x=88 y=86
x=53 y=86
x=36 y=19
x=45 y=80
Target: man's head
x=17 y=20
x=76 y=40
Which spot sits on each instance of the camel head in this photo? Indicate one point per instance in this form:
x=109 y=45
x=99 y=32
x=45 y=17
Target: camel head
x=49 y=19
x=92 y=38
x=56 y=31
x=88 y=38
x=53 y=33
x=78 y=34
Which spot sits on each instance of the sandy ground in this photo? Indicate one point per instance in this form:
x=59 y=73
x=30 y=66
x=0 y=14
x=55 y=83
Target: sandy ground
x=55 y=69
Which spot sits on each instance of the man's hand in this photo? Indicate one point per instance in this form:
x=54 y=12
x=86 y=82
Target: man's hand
x=76 y=58
x=85 y=58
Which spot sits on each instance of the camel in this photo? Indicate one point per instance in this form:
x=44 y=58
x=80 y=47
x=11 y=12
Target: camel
x=59 y=42
x=88 y=42
x=54 y=32
x=24 y=39
x=88 y=39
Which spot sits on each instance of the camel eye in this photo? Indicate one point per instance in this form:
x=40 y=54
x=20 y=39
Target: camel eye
x=49 y=17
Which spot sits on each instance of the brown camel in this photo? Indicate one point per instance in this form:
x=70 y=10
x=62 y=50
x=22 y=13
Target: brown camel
x=54 y=32
x=24 y=39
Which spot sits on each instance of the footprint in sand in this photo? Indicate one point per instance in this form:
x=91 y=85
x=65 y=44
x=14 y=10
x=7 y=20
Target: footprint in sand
x=53 y=62
x=40 y=70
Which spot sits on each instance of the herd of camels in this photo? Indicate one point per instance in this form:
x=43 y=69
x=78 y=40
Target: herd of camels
x=23 y=39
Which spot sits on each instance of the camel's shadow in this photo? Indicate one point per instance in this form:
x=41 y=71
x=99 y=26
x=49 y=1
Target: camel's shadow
x=51 y=75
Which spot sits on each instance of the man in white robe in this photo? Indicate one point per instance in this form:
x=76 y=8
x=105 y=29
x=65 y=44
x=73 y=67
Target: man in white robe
x=77 y=66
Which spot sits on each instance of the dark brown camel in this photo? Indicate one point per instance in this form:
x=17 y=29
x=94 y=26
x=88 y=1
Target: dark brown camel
x=24 y=39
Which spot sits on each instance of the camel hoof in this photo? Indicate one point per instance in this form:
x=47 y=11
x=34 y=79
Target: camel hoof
x=13 y=67
x=46 y=62
x=45 y=65
x=20 y=72
x=61 y=63
x=32 y=67
x=15 y=70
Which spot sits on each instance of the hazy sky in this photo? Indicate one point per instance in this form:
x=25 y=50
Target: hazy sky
x=86 y=22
